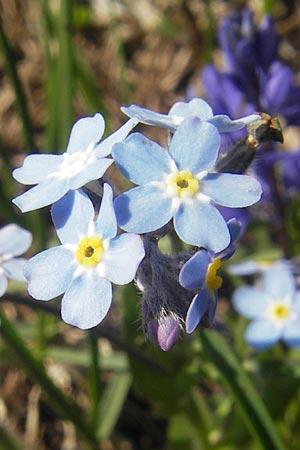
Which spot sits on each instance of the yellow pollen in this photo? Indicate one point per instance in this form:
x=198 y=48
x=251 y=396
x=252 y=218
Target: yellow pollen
x=213 y=281
x=89 y=251
x=182 y=184
x=280 y=311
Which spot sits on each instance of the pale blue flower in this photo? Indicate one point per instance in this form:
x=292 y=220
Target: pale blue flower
x=84 y=160
x=274 y=308
x=14 y=241
x=90 y=258
x=180 y=184
x=200 y=273
x=260 y=266
x=197 y=107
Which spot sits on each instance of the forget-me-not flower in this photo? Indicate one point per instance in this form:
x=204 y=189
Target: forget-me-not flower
x=84 y=160
x=14 y=241
x=90 y=258
x=197 y=107
x=201 y=272
x=180 y=184
x=274 y=308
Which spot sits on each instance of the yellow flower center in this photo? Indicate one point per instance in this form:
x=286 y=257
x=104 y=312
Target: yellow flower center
x=280 y=311
x=89 y=251
x=214 y=281
x=182 y=184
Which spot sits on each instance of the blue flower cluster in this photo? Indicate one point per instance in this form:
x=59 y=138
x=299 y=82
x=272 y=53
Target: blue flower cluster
x=254 y=78
x=106 y=240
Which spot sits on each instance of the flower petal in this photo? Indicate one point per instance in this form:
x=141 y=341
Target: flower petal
x=123 y=258
x=225 y=125
x=36 y=168
x=105 y=147
x=142 y=160
x=197 y=309
x=14 y=268
x=193 y=273
x=3 y=284
x=291 y=333
x=195 y=145
x=106 y=223
x=197 y=107
x=90 y=172
x=87 y=301
x=231 y=190
x=250 y=302
x=49 y=273
x=150 y=117
x=201 y=224
x=14 y=240
x=44 y=194
x=71 y=216
x=261 y=334
x=279 y=283
x=85 y=131
x=142 y=209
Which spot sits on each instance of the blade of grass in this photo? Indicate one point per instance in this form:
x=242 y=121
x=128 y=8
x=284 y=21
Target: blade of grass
x=19 y=93
x=8 y=442
x=112 y=403
x=36 y=371
x=94 y=378
x=252 y=408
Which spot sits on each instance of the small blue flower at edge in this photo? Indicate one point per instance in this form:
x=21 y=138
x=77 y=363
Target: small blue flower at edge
x=274 y=308
x=14 y=241
x=197 y=107
x=84 y=160
x=180 y=184
x=90 y=258
x=201 y=272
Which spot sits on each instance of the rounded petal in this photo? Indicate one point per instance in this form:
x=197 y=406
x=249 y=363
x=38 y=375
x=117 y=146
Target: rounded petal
x=279 y=283
x=197 y=309
x=87 y=300
x=142 y=209
x=250 y=302
x=142 y=160
x=201 y=224
x=261 y=334
x=123 y=258
x=14 y=268
x=291 y=333
x=3 y=283
x=44 y=194
x=85 y=131
x=245 y=268
x=195 y=145
x=105 y=147
x=296 y=303
x=231 y=190
x=49 y=273
x=225 y=125
x=150 y=117
x=36 y=168
x=197 y=107
x=193 y=273
x=71 y=216
x=14 y=240
x=90 y=172
x=106 y=223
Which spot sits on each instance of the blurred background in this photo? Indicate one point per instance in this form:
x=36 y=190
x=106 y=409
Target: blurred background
x=62 y=388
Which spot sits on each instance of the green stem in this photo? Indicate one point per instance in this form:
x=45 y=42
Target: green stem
x=36 y=371
x=94 y=378
x=19 y=93
x=251 y=406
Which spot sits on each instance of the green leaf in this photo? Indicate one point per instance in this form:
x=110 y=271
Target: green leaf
x=248 y=400
x=112 y=403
